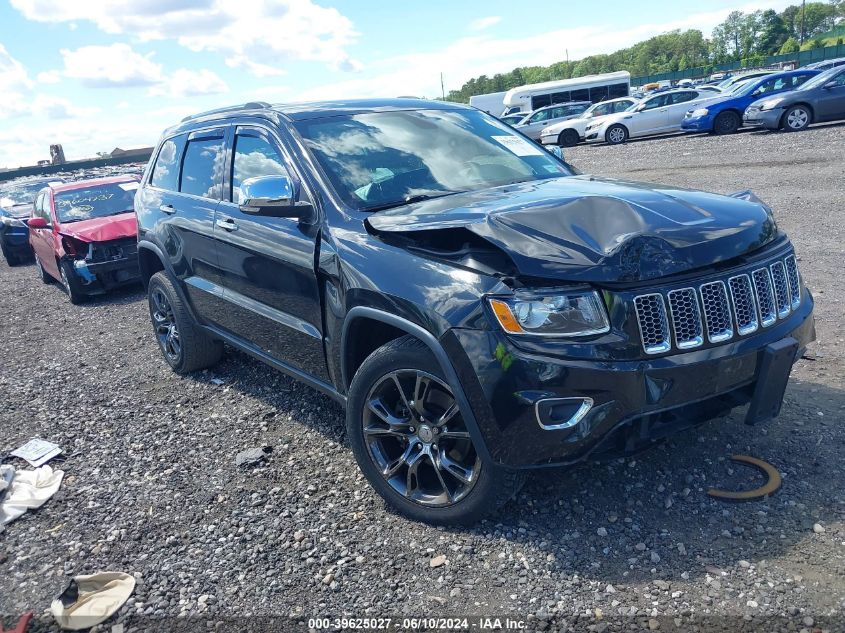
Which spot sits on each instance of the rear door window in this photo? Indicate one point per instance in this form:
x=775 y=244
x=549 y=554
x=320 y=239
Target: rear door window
x=202 y=168
x=166 y=171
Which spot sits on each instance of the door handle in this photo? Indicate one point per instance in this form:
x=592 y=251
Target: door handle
x=227 y=224
x=167 y=208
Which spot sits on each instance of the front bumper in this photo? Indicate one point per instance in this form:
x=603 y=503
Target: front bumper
x=15 y=239
x=504 y=383
x=769 y=119
x=549 y=139
x=697 y=124
x=594 y=136
x=100 y=277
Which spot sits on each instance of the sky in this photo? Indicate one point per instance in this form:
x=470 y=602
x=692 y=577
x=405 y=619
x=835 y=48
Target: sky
x=98 y=74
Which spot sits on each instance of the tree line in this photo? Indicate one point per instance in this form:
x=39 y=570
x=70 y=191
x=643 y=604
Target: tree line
x=745 y=37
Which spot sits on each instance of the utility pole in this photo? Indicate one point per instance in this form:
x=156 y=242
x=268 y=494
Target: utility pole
x=803 y=9
x=442 y=89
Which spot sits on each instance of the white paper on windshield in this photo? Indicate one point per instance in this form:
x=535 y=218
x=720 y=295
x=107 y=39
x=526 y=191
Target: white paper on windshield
x=128 y=186
x=518 y=145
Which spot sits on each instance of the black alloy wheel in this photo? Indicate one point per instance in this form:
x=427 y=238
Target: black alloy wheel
x=417 y=438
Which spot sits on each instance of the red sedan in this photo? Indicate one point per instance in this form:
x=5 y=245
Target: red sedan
x=84 y=234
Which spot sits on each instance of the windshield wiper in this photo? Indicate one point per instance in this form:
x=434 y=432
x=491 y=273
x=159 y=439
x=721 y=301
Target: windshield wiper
x=411 y=200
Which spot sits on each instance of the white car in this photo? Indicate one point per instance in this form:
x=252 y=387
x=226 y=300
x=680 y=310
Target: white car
x=659 y=114
x=541 y=118
x=571 y=132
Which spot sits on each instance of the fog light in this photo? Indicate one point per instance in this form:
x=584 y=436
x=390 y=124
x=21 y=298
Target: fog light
x=554 y=414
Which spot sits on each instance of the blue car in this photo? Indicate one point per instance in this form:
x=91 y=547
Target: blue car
x=724 y=116
x=16 y=200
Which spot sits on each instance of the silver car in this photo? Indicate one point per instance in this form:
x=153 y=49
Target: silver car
x=534 y=125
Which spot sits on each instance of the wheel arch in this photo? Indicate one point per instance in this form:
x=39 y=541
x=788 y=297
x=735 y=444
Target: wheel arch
x=150 y=261
x=402 y=327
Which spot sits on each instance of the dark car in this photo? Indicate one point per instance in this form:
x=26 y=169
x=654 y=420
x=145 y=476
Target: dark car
x=477 y=308
x=16 y=201
x=84 y=234
x=820 y=99
x=724 y=116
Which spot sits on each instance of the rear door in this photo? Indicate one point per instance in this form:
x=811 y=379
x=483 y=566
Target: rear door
x=830 y=104
x=677 y=105
x=269 y=263
x=181 y=197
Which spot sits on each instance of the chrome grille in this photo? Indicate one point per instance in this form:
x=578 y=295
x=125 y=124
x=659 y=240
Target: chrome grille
x=745 y=308
x=746 y=300
x=686 y=319
x=794 y=283
x=781 y=287
x=717 y=312
x=654 y=326
x=765 y=296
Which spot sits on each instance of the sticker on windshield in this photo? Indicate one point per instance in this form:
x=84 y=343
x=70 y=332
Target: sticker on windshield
x=128 y=186
x=518 y=145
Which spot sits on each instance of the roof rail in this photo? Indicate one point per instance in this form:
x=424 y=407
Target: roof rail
x=252 y=105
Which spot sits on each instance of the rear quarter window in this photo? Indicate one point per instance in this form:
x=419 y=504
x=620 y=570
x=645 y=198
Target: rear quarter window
x=166 y=170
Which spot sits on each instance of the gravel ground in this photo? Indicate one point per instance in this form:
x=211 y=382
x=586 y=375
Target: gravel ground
x=151 y=487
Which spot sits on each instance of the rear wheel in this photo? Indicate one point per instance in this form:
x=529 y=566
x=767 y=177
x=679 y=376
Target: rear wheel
x=411 y=441
x=71 y=283
x=568 y=138
x=726 y=123
x=796 y=118
x=184 y=345
x=616 y=134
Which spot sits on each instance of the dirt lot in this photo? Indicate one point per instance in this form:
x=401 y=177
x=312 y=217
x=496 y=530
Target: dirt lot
x=151 y=487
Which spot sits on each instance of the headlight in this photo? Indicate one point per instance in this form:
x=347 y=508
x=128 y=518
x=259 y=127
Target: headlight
x=701 y=112
x=571 y=313
x=11 y=221
x=769 y=104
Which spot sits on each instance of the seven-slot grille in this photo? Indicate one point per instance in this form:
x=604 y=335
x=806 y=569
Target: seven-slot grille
x=718 y=310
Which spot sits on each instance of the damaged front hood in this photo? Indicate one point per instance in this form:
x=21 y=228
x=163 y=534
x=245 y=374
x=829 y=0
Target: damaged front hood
x=113 y=227
x=583 y=228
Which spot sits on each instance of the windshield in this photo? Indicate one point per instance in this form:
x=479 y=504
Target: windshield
x=98 y=201
x=21 y=194
x=820 y=79
x=378 y=160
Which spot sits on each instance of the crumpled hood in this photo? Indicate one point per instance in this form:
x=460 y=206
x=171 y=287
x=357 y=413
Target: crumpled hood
x=113 y=227
x=583 y=228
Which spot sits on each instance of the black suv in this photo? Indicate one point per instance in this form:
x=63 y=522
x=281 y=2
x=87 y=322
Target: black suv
x=479 y=308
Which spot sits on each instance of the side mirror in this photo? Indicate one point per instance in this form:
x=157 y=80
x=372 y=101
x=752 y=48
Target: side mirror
x=640 y=108
x=271 y=196
x=37 y=223
x=831 y=84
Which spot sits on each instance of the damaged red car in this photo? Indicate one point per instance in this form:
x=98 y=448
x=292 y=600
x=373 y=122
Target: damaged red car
x=84 y=234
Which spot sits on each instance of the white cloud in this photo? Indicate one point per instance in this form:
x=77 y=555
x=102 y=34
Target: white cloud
x=257 y=35
x=49 y=77
x=110 y=66
x=16 y=84
x=190 y=83
x=484 y=23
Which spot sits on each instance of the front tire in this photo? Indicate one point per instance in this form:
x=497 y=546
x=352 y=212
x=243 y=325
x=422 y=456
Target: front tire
x=726 y=123
x=796 y=118
x=616 y=134
x=11 y=259
x=412 y=444
x=184 y=345
x=71 y=283
x=568 y=138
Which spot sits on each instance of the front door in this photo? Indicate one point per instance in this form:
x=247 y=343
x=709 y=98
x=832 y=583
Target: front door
x=651 y=119
x=268 y=263
x=830 y=104
x=43 y=240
